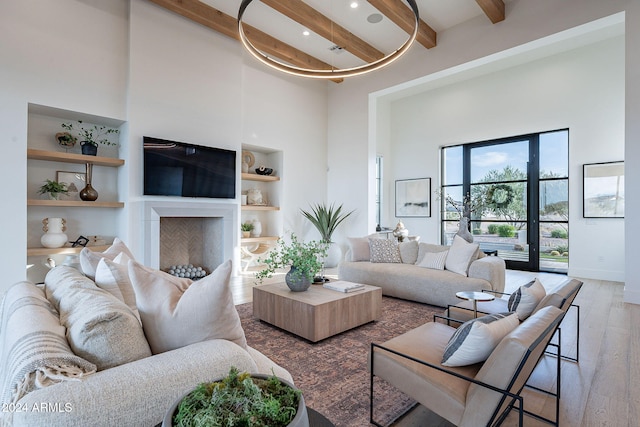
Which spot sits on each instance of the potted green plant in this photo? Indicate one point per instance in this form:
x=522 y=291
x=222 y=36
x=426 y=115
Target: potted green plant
x=246 y=228
x=53 y=188
x=326 y=219
x=305 y=260
x=91 y=135
x=240 y=399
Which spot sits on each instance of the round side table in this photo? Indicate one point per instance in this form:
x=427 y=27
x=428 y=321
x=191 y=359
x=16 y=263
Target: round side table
x=475 y=297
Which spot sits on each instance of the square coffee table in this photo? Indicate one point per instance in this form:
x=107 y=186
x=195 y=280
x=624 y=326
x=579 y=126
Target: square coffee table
x=317 y=313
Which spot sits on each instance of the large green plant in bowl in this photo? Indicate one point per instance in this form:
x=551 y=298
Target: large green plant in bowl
x=305 y=260
x=325 y=218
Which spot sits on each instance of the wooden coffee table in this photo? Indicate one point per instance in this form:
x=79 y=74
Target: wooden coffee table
x=316 y=313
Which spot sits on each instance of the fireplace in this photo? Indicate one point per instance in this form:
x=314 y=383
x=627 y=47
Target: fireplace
x=185 y=232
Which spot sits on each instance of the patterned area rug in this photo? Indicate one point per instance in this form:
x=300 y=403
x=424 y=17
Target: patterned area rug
x=332 y=373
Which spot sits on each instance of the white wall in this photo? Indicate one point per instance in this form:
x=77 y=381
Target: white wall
x=582 y=90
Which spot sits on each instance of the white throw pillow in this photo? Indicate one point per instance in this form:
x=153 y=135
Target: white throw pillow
x=434 y=260
x=461 y=254
x=384 y=250
x=89 y=259
x=100 y=328
x=526 y=298
x=359 y=248
x=113 y=277
x=475 y=339
x=408 y=251
x=177 y=312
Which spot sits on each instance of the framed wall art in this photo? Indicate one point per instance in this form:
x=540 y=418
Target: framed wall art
x=75 y=181
x=603 y=190
x=413 y=197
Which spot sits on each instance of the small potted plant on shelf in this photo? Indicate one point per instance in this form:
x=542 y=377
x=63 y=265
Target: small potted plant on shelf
x=304 y=260
x=53 y=189
x=240 y=399
x=92 y=135
x=246 y=228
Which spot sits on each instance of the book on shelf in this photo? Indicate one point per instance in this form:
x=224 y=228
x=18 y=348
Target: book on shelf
x=342 y=286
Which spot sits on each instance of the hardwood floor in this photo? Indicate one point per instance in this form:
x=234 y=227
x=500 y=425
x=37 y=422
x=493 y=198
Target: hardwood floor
x=602 y=390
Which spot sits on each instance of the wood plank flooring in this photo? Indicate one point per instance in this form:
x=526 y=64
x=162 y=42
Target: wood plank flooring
x=602 y=390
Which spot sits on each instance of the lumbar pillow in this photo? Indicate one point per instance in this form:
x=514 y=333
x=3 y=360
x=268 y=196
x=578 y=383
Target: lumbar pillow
x=475 y=339
x=461 y=254
x=113 y=277
x=408 y=251
x=424 y=248
x=177 y=312
x=100 y=328
x=89 y=259
x=384 y=250
x=434 y=260
x=526 y=298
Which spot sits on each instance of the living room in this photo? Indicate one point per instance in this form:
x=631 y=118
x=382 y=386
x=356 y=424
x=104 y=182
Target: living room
x=162 y=75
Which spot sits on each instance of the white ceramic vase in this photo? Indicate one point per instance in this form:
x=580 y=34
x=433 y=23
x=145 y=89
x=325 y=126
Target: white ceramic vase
x=54 y=236
x=257 y=228
x=334 y=255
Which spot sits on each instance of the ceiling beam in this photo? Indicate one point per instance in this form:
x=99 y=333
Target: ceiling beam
x=494 y=9
x=403 y=17
x=313 y=20
x=225 y=24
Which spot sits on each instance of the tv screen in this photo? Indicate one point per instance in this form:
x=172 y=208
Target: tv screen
x=174 y=168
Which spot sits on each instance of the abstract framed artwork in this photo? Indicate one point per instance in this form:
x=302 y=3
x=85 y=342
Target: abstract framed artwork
x=413 y=198
x=603 y=190
x=75 y=181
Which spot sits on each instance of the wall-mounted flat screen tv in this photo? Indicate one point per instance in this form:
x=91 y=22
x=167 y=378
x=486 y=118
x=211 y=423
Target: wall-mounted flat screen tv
x=174 y=168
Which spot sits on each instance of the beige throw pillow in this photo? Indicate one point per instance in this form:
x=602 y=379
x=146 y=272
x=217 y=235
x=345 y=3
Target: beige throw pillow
x=526 y=298
x=177 y=312
x=89 y=259
x=113 y=277
x=100 y=328
x=408 y=251
x=461 y=254
x=434 y=260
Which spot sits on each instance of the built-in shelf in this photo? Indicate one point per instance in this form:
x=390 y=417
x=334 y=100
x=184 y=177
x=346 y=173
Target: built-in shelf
x=54 y=156
x=262 y=178
x=261 y=239
x=74 y=204
x=63 y=250
x=259 y=208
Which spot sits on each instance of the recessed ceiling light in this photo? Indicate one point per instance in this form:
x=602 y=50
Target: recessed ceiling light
x=306 y=33
x=354 y=4
x=374 y=18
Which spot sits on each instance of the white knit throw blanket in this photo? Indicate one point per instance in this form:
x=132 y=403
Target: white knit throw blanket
x=34 y=352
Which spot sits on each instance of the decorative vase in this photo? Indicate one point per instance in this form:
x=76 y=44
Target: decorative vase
x=334 y=255
x=54 y=236
x=463 y=230
x=295 y=282
x=257 y=228
x=88 y=149
x=88 y=193
x=245 y=167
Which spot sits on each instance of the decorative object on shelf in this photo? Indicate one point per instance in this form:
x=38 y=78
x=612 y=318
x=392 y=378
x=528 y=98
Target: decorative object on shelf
x=74 y=180
x=91 y=135
x=188 y=271
x=245 y=167
x=257 y=228
x=400 y=232
x=66 y=140
x=88 y=193
x=254 y=196
x=326 y=219
x=241 y=399
x=304 y=259
x=325 y=71
x=53 y=189
x=263 y=170
x=413 y=198
x=96 y=241
x=54 y=236
x=80 y=241
x=246 y=228
x=248 y=158
x=243 y=199
x=73 y=261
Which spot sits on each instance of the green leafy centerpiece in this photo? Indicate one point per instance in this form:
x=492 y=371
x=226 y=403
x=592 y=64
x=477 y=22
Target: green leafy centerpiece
x=241 y=399
x=305 y=260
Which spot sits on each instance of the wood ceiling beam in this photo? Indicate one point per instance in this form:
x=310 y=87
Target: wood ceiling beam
x=228 y=25
x=313 y=20
x=403 y=17
x=494 y=9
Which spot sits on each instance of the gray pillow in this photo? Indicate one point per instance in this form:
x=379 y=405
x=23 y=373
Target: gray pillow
x=359 y=248
x=384 y=250
x=434 y=260
x=409 y=251
x=526 y=298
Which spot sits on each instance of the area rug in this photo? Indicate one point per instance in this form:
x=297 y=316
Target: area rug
x=332 y=373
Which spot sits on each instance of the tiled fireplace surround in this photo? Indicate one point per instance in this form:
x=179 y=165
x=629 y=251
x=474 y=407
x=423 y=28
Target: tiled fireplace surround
x=185 y=232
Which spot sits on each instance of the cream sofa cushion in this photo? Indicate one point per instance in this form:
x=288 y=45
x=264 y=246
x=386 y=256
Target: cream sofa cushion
x=461 y=254
x=434 y=260
x=89 y=259
x=113 y=277
x=177 y=312
x=408 y=251
x=526 y=298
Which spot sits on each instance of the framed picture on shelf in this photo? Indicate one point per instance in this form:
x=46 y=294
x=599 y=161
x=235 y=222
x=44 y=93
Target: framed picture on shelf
x=75 y=181
x=603 y=190
x=413 y=197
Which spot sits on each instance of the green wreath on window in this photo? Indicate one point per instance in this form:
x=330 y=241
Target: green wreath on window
x=500 y=196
